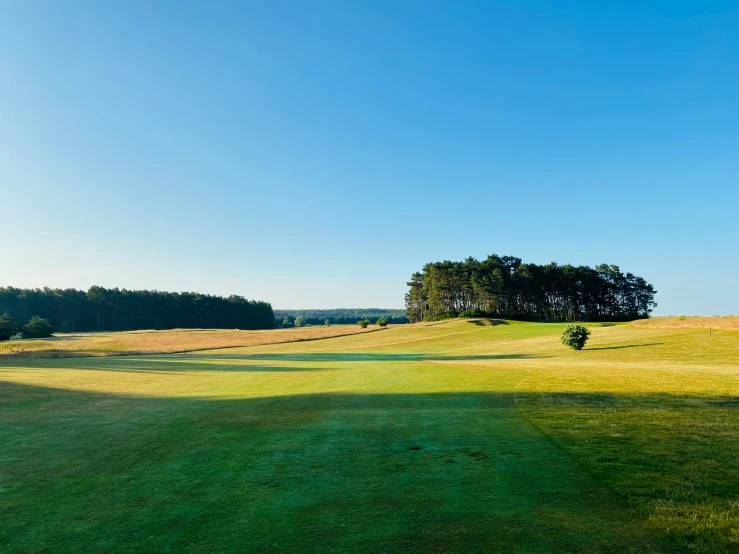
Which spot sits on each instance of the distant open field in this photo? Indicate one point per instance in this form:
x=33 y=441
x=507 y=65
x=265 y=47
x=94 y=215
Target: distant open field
x=691 y=322
x=162 y=342
x=459 y=437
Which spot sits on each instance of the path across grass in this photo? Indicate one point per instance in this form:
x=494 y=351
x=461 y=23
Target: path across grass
x=455 y=437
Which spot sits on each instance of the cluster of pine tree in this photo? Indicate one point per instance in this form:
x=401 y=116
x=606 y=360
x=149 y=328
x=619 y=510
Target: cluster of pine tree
x=101 y=309
x=503 y=286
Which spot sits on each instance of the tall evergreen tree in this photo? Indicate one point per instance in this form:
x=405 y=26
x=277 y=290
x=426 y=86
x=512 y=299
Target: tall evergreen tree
x=102 y=309
x=8 y=327
x=507 y=287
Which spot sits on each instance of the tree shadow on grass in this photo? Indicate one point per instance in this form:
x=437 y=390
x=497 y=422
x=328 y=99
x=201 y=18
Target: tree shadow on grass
x=182 y=363
x=375 y=357
x=169 y=365
x=464 y=467
x=485 y=322
x=621 y=347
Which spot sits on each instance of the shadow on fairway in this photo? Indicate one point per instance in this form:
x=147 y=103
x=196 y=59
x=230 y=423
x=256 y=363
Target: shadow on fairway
x=488 y=322
x=398 y=472
x=181 y=363
x=625 y=346
x=373 y=357
x=161 y=364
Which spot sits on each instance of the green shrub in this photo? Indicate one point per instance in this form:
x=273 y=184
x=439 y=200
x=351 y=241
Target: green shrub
x=37 y=328
x=381 y=321
x=682 y=318
x=442 y=316
x=327 y=323
x=8 y=327
x=299 y=321
x=575 y=336
x=363 y=323
x=467 y=314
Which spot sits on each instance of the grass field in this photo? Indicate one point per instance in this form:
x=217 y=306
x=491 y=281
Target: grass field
x=729 y=323
x=463 y=436
x=75 y=345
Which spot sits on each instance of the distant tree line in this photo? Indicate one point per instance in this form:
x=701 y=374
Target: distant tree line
x=101 y=309
x=342 y=316
x=508 y=288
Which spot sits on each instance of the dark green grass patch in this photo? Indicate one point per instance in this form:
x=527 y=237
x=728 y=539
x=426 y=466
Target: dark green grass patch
x=85 y=472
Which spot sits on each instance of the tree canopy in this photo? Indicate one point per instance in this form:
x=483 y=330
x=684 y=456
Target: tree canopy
x=37 y=328
x=507 y=287
x=8 y=326
x=101 y=309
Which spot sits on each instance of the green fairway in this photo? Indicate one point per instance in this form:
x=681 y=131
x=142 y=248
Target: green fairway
x=463 y=436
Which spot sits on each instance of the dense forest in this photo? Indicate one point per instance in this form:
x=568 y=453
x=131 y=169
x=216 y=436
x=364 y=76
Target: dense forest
x=345 y=316
x=506 y=287
x=101 y=309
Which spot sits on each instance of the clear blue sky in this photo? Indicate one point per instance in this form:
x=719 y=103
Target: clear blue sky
x=315 y=154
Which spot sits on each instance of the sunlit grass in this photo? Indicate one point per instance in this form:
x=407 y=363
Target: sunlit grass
x=462 y=436
x=691 y=322
x=161 y=342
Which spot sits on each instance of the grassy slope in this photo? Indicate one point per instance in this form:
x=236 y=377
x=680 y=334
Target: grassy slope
x=728 y=323
x=162 y=342
x=459 y=436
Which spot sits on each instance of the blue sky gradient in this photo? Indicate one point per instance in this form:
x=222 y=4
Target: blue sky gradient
x=315 y=154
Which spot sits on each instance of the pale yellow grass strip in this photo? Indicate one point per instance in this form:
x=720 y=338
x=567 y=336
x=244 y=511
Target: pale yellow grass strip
x=164 y=342
x=728 y=323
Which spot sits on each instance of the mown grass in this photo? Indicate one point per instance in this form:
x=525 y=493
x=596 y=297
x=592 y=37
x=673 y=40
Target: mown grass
x=463 y=436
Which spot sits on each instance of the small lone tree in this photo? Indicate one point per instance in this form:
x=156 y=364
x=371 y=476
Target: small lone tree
x=381 y=321
x=327 y=323
x=363 y=323
x=575 y=336
x=8 y=327
x=37 y=328
x=286 y=321
x=299 y=321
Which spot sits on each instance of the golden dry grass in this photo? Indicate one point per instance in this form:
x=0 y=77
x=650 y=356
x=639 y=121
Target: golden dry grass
x=728 y=323
x=163 y=342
